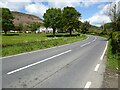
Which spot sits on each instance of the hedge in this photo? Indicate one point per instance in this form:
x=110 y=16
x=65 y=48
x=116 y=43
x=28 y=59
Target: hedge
x=116 y=42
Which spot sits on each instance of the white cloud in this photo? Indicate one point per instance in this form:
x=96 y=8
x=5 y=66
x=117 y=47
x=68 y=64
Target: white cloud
x=16 y=0
x=13 y=6
x=63 y=3
x=101 y=6
x=73 y=3
x=36 y=9
x=100 y=17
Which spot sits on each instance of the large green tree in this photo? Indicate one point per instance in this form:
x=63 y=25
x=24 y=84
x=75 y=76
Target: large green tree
x=7 y=20
x=85 y=27
x=34 y=26
x=52 y=18
x=71 y=18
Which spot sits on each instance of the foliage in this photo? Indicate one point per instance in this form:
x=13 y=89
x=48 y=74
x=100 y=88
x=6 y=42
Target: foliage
x=7 y=17
x=52 y=18
x=0 y=19
x=107 y=25
x=114 y=14
x=116 y=42
x=71 y=18
x=112 y=59
x=33 y=26
x=19 y=27
x=85 y=27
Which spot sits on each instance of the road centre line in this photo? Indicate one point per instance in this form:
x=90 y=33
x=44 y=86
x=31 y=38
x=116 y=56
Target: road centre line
x=88 y=42
x=22 y=68
x=96 y=68
x=85 y=44
x=94 y=39
x=101 y=58
x=87 y=84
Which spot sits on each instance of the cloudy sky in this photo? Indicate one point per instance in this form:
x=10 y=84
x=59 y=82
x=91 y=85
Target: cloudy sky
x=91 y=10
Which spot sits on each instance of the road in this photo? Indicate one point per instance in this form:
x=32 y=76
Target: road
x=77 y=65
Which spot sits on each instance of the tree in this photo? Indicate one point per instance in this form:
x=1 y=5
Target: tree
x=114 y=14
x=19 y=27
x=34 y=26
x=77 y=26
x=7 y=18
x=52 y=18
x=85 y=27
x=71 y=18
x=0 y=19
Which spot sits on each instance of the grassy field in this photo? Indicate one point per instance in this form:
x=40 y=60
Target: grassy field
x=112 y=59
x=19 y=43
x=12 y=38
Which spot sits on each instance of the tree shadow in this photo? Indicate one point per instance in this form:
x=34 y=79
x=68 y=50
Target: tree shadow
x=10 y=34
x=67 y=35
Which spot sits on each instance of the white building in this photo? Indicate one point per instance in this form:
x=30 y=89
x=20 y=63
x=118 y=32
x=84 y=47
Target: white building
x=43 y=29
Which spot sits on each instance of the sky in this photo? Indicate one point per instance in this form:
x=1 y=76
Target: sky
x=93 y=11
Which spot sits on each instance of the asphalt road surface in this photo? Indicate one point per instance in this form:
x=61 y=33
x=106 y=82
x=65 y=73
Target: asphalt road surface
x=77 y=65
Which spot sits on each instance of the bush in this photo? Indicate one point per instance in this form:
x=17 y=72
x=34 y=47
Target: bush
x=116 y=42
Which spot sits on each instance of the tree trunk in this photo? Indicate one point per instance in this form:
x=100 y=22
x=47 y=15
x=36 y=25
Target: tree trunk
x=70 y=32
x=5 y=32
x=54 y=32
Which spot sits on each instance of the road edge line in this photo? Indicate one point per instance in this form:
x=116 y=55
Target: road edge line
x=101 y=58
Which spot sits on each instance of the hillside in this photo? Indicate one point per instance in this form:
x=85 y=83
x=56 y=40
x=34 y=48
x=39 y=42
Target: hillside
x=24 y=18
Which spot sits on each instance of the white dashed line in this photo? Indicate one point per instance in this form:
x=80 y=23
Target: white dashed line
x=38 y=62
x=88 y=43
x=87 y=84
x=94 y=39
x=85 y=44
x=96 y=68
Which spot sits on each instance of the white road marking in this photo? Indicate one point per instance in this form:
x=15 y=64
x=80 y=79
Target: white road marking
x=85 y=44
x=87 y=38
x=94 y=39
x=101 y=58
x=87 y=84
x=38 y=62
x=96 y=68
x=88 y=42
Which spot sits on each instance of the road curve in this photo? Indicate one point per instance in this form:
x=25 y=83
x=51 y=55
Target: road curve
x=77 y=65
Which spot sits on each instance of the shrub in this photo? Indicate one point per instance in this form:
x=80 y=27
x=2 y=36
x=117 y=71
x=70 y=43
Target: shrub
x=116 y=42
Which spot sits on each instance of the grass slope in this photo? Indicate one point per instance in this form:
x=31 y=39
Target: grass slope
x=29 y=42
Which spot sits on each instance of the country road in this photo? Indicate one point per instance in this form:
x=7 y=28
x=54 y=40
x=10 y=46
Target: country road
x=77 y=65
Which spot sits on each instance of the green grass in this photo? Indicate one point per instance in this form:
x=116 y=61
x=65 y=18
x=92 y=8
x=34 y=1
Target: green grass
x=112 y=59
x=29 y=42
x=12 y=38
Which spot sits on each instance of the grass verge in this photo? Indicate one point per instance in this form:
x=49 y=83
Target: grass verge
x=16 y=48
x=112 y=59
x=112 y=69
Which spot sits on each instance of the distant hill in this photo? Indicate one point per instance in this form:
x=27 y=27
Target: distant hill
x=24 y=18
x=108 y=25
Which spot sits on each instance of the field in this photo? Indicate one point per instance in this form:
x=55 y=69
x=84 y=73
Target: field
x=21 y=42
